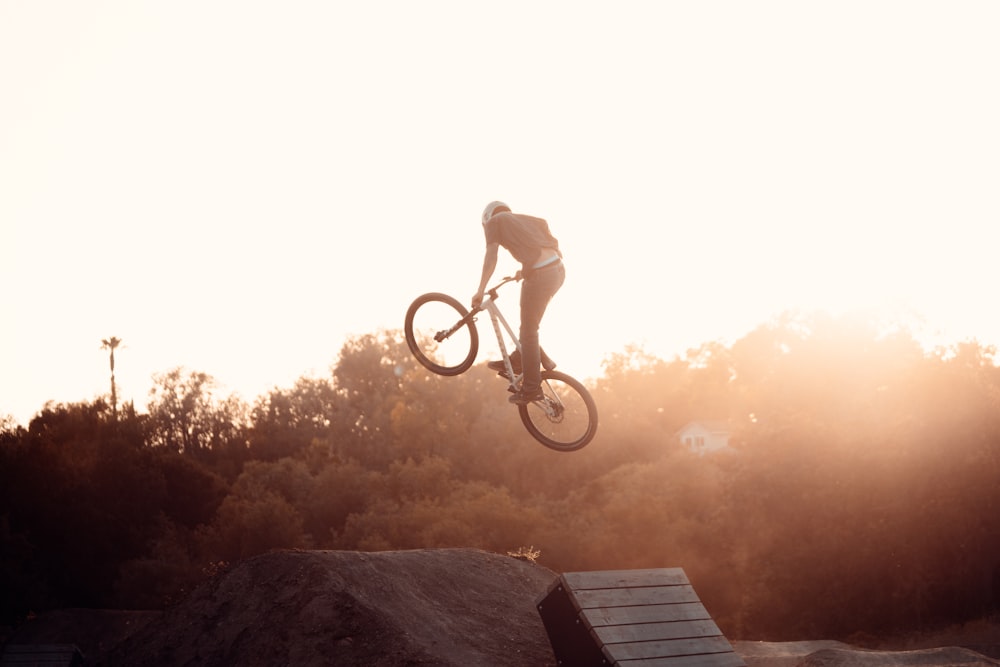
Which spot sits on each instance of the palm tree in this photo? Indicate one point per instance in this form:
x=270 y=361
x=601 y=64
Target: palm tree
x=111 y=344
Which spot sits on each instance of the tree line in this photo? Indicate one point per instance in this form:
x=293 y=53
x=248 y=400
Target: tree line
x=859 y=494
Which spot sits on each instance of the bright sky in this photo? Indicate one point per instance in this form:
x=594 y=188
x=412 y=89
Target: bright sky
x=236 y=186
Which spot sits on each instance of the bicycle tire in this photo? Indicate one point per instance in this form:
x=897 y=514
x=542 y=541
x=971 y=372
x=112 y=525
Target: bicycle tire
x=566 y=419
x=435 y=314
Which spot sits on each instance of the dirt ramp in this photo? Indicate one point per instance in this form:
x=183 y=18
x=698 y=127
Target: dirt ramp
x=781 y=654
x=936 y=657
x=446 y=607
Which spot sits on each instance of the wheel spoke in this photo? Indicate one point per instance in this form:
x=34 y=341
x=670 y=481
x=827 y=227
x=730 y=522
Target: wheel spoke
x=439 y=337
x=566 y=418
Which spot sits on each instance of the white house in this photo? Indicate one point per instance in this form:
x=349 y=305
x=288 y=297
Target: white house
x=704 y=436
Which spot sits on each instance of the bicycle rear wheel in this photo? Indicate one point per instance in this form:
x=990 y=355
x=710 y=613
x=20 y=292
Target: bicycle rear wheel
x=566 y=418
x=441 y=334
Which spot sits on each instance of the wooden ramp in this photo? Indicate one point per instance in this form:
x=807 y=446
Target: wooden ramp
x=632 y=618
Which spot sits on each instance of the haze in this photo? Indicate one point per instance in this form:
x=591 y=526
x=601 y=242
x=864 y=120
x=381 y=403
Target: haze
x=237 y=187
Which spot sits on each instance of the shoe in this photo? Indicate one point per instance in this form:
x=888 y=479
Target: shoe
x=525 y=397
x=515 y=361
x=499 y=367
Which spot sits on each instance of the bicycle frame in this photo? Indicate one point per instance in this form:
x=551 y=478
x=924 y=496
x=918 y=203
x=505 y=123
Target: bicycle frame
x=497 y=319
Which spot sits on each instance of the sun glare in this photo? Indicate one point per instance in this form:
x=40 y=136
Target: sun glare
x=297 y=175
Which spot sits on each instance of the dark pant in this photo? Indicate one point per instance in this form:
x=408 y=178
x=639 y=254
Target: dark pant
x=536 y=292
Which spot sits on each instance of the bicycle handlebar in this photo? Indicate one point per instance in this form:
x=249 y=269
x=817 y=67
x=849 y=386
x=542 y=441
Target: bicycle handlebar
x=507 y=279
x=492 y=291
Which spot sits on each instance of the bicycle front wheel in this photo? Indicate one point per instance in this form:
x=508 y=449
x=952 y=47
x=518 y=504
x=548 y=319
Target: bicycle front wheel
x=441 y=334
x=565 y=419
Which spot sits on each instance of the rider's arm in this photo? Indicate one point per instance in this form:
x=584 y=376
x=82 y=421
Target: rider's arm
x=489 y=265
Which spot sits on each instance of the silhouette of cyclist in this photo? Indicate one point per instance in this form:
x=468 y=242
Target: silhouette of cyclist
x=530 y=242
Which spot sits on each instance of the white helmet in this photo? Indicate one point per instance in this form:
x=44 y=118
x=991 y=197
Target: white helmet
x=492 y=208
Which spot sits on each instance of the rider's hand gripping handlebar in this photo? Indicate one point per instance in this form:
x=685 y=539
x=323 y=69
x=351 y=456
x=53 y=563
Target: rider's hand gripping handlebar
x=492 y=291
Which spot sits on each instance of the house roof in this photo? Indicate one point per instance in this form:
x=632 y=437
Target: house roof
x=715 y=426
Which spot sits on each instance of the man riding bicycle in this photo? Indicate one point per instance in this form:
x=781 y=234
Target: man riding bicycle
x=530 y=242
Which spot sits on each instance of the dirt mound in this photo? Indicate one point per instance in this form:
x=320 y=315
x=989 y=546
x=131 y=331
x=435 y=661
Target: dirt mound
x=434 y=608
x=936 y=657
x=838 y=654
x=454 y=607
x=780 y=654
x=94 y=631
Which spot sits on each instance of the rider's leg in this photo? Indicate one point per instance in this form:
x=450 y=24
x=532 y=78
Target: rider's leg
x=536 y=292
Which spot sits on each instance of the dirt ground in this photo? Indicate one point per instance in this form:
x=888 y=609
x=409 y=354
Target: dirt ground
x=451 y=607
x=433 y=608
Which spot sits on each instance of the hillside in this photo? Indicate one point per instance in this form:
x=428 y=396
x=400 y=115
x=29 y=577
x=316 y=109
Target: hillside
x=441 y=608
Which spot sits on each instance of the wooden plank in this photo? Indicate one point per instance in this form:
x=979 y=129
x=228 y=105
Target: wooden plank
x=647 y=632
x=579 y=581
x=631 y=597
x=650 y=613
x=39 y=655
x=705 y=660
x=668 y=648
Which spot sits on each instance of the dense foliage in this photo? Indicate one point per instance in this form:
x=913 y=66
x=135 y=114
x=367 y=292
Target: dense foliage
x=860 y=493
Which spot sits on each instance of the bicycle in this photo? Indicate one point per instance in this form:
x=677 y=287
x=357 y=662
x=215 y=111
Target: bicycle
x=564 y=419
